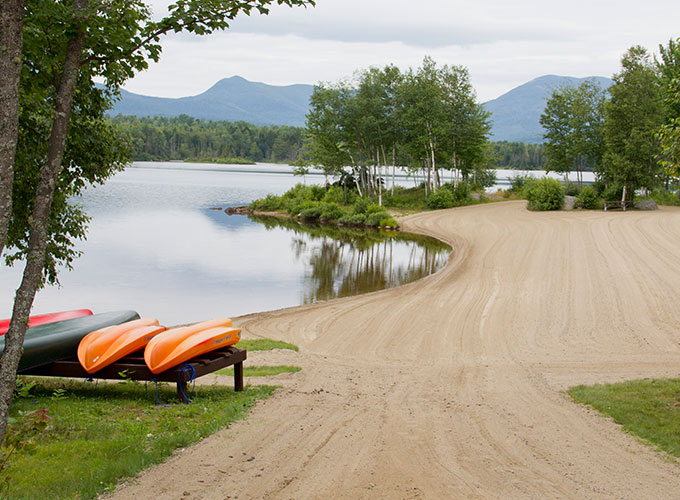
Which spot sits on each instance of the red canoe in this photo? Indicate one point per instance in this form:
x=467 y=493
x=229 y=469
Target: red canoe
x=42 y=319
x=177 y=345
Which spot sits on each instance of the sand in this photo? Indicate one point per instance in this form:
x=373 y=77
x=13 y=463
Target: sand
x=453 y=386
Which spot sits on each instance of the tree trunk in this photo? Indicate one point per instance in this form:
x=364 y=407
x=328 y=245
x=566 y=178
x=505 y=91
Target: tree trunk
x=39 y=226
x=11 y=39
x=394 y=166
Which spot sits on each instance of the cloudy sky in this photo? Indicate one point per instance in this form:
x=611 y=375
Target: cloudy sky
x=503 y=44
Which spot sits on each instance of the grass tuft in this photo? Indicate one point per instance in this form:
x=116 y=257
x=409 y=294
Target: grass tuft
x=261 y=371
x=648 y=408
x=265 y=345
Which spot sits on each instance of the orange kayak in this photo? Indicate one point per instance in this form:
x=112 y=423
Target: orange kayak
x=177 y=345
x=103 y=347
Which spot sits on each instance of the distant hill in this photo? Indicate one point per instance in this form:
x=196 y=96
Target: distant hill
x=516 y=114
x=231 y=99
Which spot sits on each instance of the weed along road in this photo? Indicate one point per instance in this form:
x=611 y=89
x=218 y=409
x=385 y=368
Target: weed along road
x=453 y=386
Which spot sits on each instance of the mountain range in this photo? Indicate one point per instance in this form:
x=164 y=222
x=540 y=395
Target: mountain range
x=515 y=114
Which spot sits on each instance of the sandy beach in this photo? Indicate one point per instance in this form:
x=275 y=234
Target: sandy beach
x=452 y=387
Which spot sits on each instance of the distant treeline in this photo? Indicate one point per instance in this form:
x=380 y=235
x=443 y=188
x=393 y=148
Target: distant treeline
x=518 y=155
x=186 y=138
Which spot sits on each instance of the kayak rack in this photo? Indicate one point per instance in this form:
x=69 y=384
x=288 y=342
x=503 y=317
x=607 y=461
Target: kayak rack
x=133 y=367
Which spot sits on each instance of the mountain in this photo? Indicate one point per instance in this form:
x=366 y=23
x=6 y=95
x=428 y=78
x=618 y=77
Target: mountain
x=231 y=99
x=516 y=114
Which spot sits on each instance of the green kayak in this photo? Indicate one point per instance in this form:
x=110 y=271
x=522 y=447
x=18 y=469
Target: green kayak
x=44 y=344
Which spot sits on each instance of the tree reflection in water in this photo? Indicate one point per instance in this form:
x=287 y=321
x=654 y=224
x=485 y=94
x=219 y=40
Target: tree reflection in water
x=342 y=261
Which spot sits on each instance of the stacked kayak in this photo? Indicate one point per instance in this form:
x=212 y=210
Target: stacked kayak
x=107 y=345
x=42 y=319
x=177 y=345
x=100 y=340
x=50 y=342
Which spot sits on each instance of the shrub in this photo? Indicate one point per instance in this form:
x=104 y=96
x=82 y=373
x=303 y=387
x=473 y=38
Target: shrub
x=298 y=206
x=663 y=197
x=269 y=203
x=353 y=219
x=442 y=198
x=571 y=188
x=334 y=194
x=312 y=210
x=545 y=194
x=376 y=218
x=587 y=198
x=518 y=182
x=331 y=211
x=460 y=192
x=316 y=193
x=389 y=223
x=374 y=208
x=360 y=206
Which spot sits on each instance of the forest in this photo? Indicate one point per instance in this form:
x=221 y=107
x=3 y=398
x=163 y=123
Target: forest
x=186 y=138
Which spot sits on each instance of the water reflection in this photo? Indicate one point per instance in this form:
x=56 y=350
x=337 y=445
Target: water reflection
x=340 y=261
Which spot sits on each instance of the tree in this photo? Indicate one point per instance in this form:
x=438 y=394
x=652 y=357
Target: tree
x=111 y=39
x=669 y=135
x=573 y=121
x=634 y=114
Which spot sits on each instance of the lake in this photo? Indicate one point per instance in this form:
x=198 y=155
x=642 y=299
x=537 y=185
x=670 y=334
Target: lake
x=160 y=243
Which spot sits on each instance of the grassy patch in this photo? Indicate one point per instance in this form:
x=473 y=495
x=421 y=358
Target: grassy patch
x=96 y=436
x=265 y=345
x=261 y=371
x=647 y=408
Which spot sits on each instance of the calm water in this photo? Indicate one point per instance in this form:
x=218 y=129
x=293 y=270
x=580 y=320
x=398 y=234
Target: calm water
x=157 y=244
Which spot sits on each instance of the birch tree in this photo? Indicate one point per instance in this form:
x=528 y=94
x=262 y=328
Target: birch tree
x=634 y=114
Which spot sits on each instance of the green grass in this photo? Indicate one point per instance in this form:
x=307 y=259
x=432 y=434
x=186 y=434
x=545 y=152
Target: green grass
x=261 y=371
x=97 y=436
x=265 y=345
x=647 y=408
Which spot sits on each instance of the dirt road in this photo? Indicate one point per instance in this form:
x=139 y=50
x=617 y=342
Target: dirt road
x=452 y=387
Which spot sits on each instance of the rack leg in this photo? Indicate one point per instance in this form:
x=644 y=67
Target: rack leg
x=238 y=376
x=183 y=388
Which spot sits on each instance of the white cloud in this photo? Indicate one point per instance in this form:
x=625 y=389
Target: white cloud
x=504 y=44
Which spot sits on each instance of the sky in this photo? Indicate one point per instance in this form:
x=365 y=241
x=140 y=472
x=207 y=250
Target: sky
x=503 y=44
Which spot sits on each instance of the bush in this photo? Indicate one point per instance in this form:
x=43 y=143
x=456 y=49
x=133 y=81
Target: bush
x=376 y=218
x=442 y=198
x=545 y=194
x=311 y=210
x=389 y=223
x=356 y=219
x=587 y=198
x=663 y=197
x=331 y=211
x=460 y=192
x=334 y=194
x=269 y=203
x=571 y=188
x=316 y=193
x=360 y=206
x=518 y=183
x=374 y=208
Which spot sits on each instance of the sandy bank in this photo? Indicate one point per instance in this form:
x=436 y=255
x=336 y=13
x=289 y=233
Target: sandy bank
x=451 y=387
